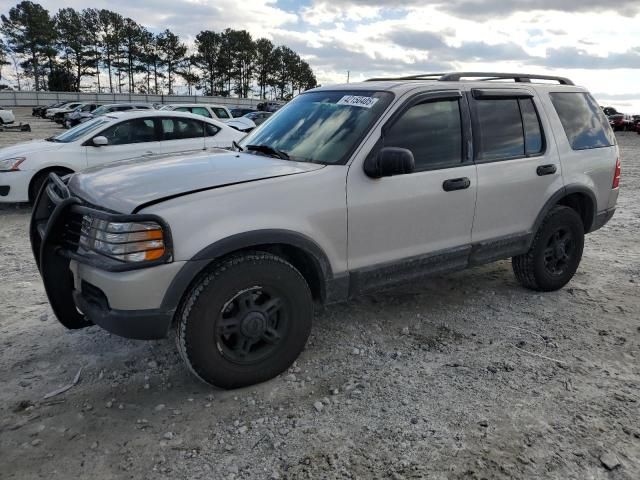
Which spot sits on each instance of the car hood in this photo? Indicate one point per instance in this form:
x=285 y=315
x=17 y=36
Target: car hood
x=26 y=148
x=130 y=185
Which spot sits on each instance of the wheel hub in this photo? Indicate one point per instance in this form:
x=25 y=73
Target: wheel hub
x=253 y=325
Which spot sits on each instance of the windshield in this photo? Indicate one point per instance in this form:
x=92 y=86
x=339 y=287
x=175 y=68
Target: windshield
x=102 y=110
x=321 y=127
x=79 y=131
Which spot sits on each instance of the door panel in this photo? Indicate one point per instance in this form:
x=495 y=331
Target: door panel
x=395 y=218
x=512 y=191
x=128 y=139
x=401 y=219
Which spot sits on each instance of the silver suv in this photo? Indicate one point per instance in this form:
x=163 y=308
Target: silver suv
x=347 y=189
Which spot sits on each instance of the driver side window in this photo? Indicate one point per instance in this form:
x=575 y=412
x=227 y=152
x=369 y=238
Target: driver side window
x=139 y=130
x=432 y=131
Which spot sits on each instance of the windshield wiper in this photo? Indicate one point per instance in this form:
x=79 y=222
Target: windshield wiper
x=52 y=139
x=237 y=146
x=269 y=151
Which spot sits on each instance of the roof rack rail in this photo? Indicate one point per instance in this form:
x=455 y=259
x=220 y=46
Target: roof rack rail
x=480 y=76
x=422 y=76
x=516 y=77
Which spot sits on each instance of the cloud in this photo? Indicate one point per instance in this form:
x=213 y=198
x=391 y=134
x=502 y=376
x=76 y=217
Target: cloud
x=571 y=57
x=479 y=9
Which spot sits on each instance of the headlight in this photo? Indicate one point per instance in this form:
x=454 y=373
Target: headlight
x=11 y=164
x=124 y=241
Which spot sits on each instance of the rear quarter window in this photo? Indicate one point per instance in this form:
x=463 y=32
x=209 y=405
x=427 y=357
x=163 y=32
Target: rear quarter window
x=583 y=120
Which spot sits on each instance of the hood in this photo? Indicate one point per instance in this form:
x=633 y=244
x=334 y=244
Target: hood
x=24 y=149
x=127 y=186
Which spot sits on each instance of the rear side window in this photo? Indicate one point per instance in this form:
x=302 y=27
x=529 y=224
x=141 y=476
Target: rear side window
x=583 y=120
x=201 y=111
x=181 y=128
x=433 y=133
x=220 y=112
x=507 y=128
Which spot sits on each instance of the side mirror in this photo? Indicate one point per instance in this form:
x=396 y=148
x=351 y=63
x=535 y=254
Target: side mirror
x=390 y=161
x=100 y=141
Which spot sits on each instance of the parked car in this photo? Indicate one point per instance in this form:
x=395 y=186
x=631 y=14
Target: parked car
x=241 y=112
x=105 y=139
x=61 y=113
x=270 y=106
x=67 y=107
x=258 y=117
x=608 y=111
x=6 y=116
x=621 y=122
x=220 y=112
x=74 y=118
x=112 y=108
x=349 y=189
x=40 y=110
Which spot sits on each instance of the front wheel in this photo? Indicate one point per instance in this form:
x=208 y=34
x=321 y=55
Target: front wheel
x=555 y=253
x=245 y=321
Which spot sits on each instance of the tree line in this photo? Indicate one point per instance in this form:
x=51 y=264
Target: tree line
x=57 y=52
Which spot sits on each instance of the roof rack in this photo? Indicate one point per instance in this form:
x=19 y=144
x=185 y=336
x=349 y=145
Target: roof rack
x=480 y=76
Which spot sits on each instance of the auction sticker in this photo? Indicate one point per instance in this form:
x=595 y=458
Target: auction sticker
x=357 y=101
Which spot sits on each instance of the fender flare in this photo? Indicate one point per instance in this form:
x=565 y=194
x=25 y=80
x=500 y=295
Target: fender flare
x=559 y=195
x=199 y=262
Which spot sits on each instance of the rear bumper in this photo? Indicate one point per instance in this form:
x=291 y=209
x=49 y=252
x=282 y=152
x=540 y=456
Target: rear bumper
x=603 y=218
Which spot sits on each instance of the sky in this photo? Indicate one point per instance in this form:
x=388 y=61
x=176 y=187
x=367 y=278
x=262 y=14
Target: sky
x=596 y=43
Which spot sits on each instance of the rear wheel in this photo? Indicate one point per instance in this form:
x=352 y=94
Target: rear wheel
x=246 y=321
x=555 y=253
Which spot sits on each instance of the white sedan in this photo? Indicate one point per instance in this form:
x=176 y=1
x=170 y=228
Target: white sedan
x=116 y=136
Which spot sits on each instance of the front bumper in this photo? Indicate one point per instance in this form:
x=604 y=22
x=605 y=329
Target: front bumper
x=14 y=186
x=78 y=286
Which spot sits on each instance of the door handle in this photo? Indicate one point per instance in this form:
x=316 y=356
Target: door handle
x=456 y=184
x=148 y=153
x=546 y=170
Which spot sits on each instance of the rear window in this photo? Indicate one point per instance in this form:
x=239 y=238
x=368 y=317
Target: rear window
x=583 y=120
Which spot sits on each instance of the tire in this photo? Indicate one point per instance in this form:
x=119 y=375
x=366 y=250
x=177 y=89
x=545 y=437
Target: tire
x=245 y=321
x=555 y=253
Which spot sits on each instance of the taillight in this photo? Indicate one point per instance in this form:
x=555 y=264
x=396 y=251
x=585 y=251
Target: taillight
x=616 y=175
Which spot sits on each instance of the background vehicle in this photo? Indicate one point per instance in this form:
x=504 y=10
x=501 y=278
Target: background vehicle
x=621 y=121
x=258 y=117
x=270 y=106
x=437 y=173
x=62 y=112
x=74 y=118
x=67 y=107
x=112 y=108
x=6 y=116
x=241 y=112
x=40 y=110
x=107 y=138
x=219 y=112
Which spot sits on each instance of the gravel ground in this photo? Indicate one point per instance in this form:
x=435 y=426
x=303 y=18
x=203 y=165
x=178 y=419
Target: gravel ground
x=430 y=380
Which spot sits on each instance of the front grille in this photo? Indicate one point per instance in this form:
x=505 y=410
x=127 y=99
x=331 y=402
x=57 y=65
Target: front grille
x=70 y=235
